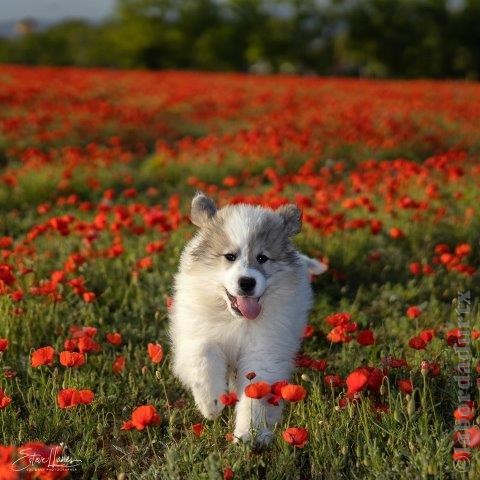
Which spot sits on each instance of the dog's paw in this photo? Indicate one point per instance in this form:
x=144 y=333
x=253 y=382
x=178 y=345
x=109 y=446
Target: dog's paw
x=210 y=409
x=258 y=439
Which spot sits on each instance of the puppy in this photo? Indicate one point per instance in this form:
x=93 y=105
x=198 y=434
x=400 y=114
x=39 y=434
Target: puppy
x=241 y=300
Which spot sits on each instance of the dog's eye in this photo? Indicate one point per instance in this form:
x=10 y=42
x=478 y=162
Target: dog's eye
x=231 y=257
x=262 y=258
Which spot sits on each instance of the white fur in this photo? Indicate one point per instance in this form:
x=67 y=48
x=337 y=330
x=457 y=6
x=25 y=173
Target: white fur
x=210 y=341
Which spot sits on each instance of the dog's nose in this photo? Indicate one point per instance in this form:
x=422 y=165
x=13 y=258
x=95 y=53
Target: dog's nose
x=247 y=284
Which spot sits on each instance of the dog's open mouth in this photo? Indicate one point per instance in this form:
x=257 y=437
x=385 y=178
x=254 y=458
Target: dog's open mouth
x=248 y=307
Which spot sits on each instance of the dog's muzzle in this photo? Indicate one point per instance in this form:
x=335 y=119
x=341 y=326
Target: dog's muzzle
x=248 y=307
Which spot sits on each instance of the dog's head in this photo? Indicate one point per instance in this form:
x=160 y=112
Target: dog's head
x=245 y=252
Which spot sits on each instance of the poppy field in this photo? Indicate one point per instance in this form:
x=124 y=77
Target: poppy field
x=97 y=171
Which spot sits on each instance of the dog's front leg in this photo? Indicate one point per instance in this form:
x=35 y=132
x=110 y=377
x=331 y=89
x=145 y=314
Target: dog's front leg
x=203 y=369
x=255 y=419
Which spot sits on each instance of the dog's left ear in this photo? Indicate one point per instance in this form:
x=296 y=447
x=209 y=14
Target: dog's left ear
x=292 y=218
x=203 y=209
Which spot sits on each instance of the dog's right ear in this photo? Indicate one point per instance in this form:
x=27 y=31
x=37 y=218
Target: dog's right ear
x=203 y=209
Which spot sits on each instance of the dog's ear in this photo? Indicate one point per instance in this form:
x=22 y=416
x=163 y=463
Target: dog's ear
x=203 y=209
x=292 y=218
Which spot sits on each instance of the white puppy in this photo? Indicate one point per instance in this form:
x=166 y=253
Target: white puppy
x=241 y=301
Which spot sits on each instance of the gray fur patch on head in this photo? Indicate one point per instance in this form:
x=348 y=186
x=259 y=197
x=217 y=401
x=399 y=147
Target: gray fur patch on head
x=213 y=241
x=271 y=235
x=292 y=218
x=203 y=210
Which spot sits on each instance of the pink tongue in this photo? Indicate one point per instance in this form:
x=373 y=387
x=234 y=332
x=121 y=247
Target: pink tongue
x=249 y=307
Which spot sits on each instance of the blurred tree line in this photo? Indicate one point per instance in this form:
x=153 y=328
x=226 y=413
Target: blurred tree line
x=391 y=38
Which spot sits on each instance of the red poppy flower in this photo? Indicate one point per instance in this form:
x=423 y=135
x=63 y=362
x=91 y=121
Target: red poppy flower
x=333 y=380
x=78 y=331
x=415 y=268
x=469 y=437
x=318 y=365
x=296 y=436
x=142 y=417
x=118 y=364
x=396 y=233
x=229 y=398
x=228 y=474
x=5 y=400
x=17 y=295
x=155 y=352
x=114 y=338
x=356 y=381
x=3 y=344
x=145 y=263
x=293 y=393
x=365 y=337
x=441 y=248
x=303 y=361
x=308 y=331
x=42 y=356
x=336 y=319
x=427 y=335
x=375 y=378
x=463 y=249
x=413 y=312
x=88 y=345
x=460 y=455
x=89 y=297
x=155 y=247
x=276 y=387
x=70 y=397
x=456 y=337
x=339 y=335
x=417 y=343
x=6 y=274
x=405 y=385
x=197 y=429
x=465 y=411
x=72 y=359
x=257 y=390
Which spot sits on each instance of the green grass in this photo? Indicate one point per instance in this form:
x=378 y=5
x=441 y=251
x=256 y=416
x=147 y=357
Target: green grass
x=349 y=443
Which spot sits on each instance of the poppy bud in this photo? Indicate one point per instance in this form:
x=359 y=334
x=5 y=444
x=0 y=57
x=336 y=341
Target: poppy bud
x=305 y=377
x=250 y=375
x=144 y=370
x=397 y=416
x=411 y=407
x=158 y=376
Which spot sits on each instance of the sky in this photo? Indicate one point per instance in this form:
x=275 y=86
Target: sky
x=54 y=9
